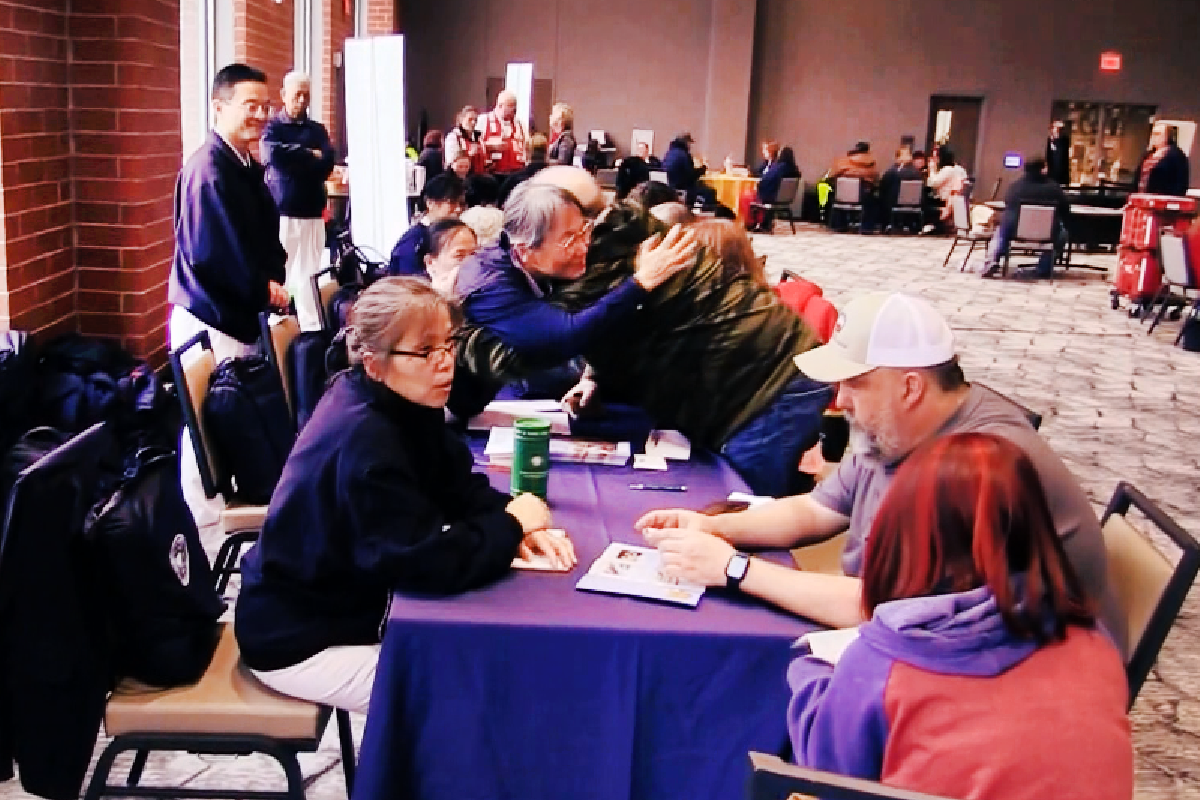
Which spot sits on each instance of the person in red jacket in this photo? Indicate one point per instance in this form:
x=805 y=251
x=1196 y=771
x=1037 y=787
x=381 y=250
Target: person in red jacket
x=504 y=136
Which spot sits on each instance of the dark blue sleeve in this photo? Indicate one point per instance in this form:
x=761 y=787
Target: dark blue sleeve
x=408 y=256
x=768 y=186
x=324 y=166
x=208 y=239
x=836 y=718
x=542 y=332
x=280 y=154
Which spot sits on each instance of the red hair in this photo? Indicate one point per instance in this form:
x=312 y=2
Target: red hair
x=965 y=511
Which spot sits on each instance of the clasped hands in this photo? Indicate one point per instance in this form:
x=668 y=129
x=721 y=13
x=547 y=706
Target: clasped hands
x=534 y=515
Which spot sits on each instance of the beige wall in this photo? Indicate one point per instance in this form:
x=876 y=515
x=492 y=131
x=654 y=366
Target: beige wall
x=827 y=75
x=670 y=66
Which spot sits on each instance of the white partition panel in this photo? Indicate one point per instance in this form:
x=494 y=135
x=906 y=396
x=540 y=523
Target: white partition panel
x=375 y=141
x=518 y=79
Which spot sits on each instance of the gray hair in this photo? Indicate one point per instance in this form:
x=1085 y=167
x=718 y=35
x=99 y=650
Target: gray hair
x=296 y=76
x=566 y=114
x=530 y=211
x=389 y=309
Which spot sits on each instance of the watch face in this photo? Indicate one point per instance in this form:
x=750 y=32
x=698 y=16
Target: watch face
x=736 y=570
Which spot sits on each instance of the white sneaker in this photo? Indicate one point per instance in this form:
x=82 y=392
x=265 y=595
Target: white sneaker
x=927 y=230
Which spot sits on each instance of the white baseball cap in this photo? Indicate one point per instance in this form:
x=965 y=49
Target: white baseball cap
x=880 y=330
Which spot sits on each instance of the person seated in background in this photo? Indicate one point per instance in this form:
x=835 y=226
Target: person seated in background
x=684 y=175
x=443 y=198
x=770 y=152
x=920 y=163
x=635 y=170
x=538 y=148
x=902 y=169
x=672 y=213
x=860 y=163
x=900 y=385
x=1034 y=188
x=486 y=221
x=460 y=165
x=562 y=135
x=593 y=159
x=377 y=496
x=978 y=630
x=654 y=193
x=451 y=242
x=1164 y=169
x=726 y=241
x=708 y=353
x=431 y=157
x=946 y=179
x=482 y=190
x=781 y=168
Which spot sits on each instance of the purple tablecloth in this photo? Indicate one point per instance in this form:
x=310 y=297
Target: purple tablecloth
x=531 y=689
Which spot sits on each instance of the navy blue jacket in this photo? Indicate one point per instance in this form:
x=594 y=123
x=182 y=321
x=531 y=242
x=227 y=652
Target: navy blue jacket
x=681 y=172
x=498 y=295
x=408 y=256
x=226 y=241
x=294 y=173
x=1169 y=175
x=768 y=185
x=377 y=496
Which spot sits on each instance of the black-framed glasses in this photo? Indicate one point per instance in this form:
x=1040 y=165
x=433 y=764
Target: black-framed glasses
x=446 y=350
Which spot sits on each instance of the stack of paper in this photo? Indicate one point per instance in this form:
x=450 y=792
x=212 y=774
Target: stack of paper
x=499 y=450
x=503 y=413
x=661 y=446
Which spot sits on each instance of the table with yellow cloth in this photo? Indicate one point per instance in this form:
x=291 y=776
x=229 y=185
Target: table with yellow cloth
x=729 y=188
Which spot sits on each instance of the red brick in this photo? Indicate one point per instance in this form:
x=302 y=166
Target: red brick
x=94 y=119
x=99 y=302
x=95 y=166
x=99 y=213
x=94 y=74
x=140 y=121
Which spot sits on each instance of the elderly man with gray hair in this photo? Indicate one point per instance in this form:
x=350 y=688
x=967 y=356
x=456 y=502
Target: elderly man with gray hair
x=545 y=240
x=299 y=157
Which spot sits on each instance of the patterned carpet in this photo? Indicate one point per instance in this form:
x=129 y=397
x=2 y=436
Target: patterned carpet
x=1118 y=405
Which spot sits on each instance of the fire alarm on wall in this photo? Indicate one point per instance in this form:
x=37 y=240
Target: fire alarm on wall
x=1110 y=62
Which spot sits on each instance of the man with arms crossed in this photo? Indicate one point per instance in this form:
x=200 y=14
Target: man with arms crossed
x=229 y=264
x=893 y=359
x=299 y=157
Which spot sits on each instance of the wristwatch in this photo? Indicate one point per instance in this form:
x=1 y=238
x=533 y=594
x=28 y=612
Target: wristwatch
x=735 y=570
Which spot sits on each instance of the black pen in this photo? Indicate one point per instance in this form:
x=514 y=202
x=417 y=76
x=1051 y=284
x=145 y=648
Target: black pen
x=653 y=487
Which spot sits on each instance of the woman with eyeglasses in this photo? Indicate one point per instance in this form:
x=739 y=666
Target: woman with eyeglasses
x=377 y=496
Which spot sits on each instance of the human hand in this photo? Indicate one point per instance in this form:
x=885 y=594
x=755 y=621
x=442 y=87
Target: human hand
x=692 y=556
x=579 y=397
x=316 y=151
x=555 y=546
x=531 y=511
x=674 y=518
x=277 y=295
x=660 y=258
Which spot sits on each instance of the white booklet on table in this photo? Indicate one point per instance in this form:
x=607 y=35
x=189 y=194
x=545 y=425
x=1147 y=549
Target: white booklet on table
x=637 y=572
x=503 y=413
x=829 y=645
x=500 y=444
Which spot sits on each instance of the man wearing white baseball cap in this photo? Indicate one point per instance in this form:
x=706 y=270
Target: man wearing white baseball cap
x=899 y=383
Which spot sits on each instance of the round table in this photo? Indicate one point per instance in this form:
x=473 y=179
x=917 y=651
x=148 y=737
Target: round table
x=729 y=188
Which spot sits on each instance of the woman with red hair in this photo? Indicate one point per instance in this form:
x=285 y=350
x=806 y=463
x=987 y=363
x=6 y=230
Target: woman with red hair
x=981 y=672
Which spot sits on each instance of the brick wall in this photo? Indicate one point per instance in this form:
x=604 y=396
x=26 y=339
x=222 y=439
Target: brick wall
x=338 y=27
x=263 y=38
x=126 y=129
x=38 y=291
x=382 y=16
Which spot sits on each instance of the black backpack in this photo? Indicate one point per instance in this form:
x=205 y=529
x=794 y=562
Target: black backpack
x=18 y=386
x=306 y=366
x=1190 y=335
x=249 y=427
x=161 y=602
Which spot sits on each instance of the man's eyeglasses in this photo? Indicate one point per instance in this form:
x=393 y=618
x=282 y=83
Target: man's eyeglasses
x=584 y=235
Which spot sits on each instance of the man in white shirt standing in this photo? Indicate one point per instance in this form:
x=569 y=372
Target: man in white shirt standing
x=299 y=157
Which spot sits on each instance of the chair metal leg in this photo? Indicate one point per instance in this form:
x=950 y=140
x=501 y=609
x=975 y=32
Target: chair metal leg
x=139 y=765
x=104 y=764
x=349 y=757
x=953 y=245
x=1164 y=296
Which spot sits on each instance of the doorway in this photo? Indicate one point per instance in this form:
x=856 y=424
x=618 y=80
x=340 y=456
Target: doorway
x=954 y=121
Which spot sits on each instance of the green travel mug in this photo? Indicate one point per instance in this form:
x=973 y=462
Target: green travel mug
x=531 y=457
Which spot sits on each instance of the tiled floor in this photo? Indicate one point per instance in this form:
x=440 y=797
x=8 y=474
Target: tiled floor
x=1118 y=405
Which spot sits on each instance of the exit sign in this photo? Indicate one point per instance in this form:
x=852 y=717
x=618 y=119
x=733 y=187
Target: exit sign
x=1110 y=62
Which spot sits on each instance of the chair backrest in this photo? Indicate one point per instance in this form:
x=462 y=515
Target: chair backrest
x=324 y=286
x=775 y=779
x=962 y=213
x=1035 y=224
x=1173 y=250
x=910 y=194
x=996 y=188
x=798 y=200
x=191 y=384
x=277 y=338
x=659 y=176
x=1149 y=591
x=607 y=178
x=788 y=188
x=847 y=190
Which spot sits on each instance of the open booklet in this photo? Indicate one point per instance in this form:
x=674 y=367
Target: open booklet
x=637 y=572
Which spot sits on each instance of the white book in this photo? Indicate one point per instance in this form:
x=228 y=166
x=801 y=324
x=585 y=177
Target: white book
x=829 y=645
x=671 y=445
x=503 y=413
x=499 y=450
x=637 y=572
